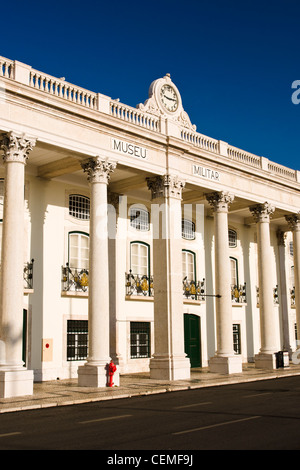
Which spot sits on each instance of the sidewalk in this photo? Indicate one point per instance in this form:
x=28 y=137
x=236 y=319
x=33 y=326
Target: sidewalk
x=67 y=392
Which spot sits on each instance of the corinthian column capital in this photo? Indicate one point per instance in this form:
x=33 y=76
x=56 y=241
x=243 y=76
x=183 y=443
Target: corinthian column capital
x=262 y=212
x=220 y=201
x=293 y=222
x=16 y=147
x=98 y=170
x=166 y=186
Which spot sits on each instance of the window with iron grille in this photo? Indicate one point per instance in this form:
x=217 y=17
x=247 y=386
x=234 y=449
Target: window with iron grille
x=139 y=219
x=77 y=340
x=187 y=229
x=237 y=338
x=232 y=238
x=139 y=340
x=79 y=206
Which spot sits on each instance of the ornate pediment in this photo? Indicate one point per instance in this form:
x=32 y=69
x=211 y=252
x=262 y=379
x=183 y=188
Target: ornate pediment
x=165 y=101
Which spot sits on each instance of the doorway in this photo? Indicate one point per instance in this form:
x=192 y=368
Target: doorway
x=192 y=339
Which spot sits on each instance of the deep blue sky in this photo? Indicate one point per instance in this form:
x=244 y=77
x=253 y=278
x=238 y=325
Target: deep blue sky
x=234 y=62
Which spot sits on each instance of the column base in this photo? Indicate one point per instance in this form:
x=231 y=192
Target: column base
x=265 y=361
x=96 y=376
x=16 y=383
x=226 y=364
x=170 y=368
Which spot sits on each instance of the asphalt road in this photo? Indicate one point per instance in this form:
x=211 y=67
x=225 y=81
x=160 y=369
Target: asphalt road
x=262 y=415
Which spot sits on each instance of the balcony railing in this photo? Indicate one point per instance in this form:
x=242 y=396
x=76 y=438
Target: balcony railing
x=28 y=275
x=74 y=279
x=292 y=297
x=238 y=294
x=275 y=296
x=193 y=290
x=139 y=284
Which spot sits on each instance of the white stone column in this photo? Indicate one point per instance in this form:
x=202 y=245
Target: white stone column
x=15 y=379
x=294 y=225
x=224 y=361
x=169 y=361
x=266 y=357
x=284 y=297
x=94 y=372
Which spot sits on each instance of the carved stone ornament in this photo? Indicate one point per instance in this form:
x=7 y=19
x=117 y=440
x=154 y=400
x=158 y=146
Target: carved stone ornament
x=16 y=147
x=262 y=212
x=220 y=201
x=165 y=186
x=165 y=101
x=98 y=170
x=293 y=221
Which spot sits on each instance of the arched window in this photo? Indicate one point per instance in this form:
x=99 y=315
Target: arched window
x=140 y=258
x=79 y=206
x=232 y=238
x=189 y=265
x=139 y=219
x=188 y=229
x=79 y=250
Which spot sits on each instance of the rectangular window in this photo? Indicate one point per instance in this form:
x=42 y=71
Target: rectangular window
x=78 y=250
x=237 y=338
x=188 y=265
x=139 y=259
x=77 y=340
x=139 y=340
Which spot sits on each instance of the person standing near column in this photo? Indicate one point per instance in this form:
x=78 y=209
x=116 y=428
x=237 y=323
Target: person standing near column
x=15 y=379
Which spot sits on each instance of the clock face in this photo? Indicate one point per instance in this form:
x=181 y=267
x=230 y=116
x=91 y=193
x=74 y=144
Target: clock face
x=169 y=98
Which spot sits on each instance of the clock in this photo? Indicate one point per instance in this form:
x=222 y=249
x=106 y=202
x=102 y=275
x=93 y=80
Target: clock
x=169 y=98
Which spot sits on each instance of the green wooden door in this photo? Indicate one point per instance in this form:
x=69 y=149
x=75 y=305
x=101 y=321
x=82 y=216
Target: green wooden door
x=192 y=340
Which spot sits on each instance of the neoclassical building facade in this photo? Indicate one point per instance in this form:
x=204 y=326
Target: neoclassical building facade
x=129 y=236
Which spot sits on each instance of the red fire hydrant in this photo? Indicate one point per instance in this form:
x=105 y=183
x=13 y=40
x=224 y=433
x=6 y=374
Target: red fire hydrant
x=111 y=370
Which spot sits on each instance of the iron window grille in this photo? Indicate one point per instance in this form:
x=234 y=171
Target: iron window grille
x=79 y=206
x=187 y=229
x=232 y=238
x=237 y=338
x=139 y=219
x=77 y=340
x=139 y=340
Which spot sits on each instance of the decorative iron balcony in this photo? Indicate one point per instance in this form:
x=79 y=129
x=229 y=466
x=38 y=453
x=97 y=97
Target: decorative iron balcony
x=193 y=290
x=28 y=275
x=238 y=294
x=74 y=279
x=139 y=284
x=275 y=296
x=292 y=296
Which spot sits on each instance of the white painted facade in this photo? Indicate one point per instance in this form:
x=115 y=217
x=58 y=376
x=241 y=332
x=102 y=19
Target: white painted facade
x=69 y=141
